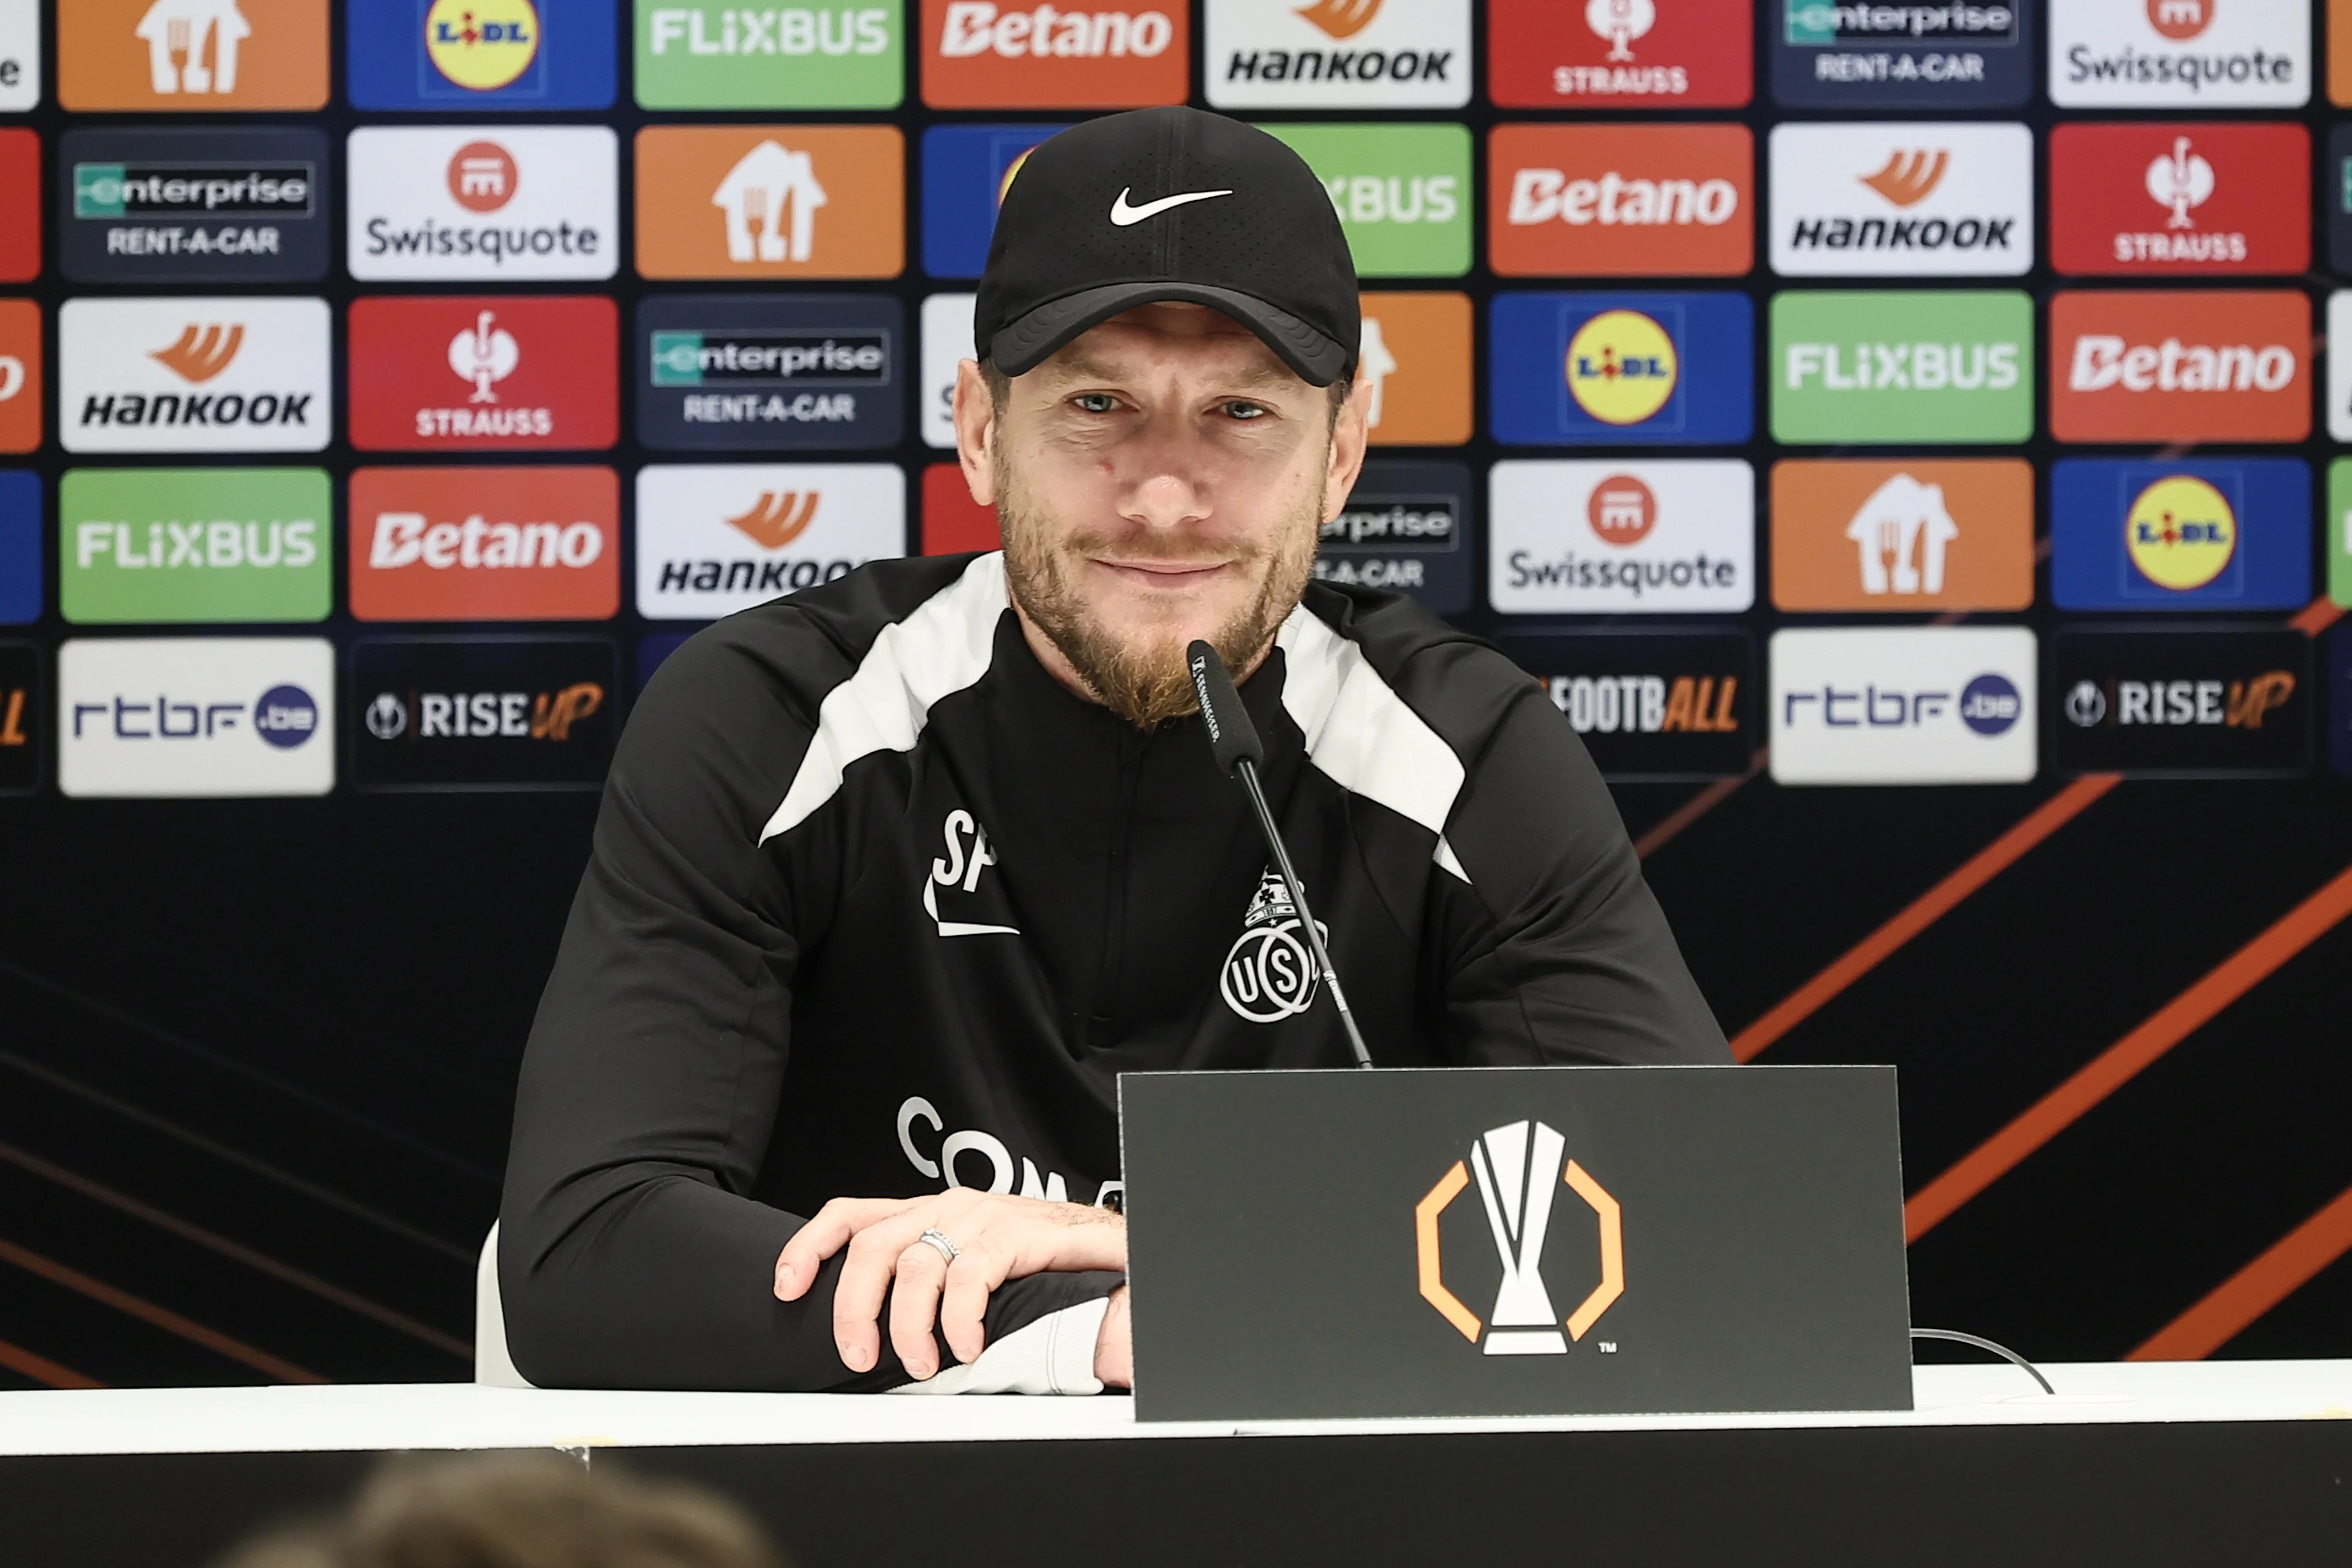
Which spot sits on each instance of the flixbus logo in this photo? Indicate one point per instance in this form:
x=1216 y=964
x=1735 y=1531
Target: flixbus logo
x=1402 y=193
x=193 y=545
x=818 y=54
x=1897 y=366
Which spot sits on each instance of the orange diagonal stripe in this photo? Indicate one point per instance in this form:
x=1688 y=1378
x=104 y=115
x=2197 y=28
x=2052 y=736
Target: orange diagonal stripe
x=1699 y=806
x=2115 y=1066
x=2254 y=1289
x=41 y=1369
x=164 y=1318
x=2317 y=617
x=1924 y=912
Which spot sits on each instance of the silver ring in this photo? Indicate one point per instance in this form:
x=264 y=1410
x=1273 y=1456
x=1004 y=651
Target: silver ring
x=938 y=1238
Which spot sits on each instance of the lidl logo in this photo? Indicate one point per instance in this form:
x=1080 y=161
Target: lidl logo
x=1339 y=54
x=966 y=170
x=1126 y=53
x=188 y=206
x=2179 y=54
x=715 y=540
x=1886 y=366
x=485 y=545
x=21 y=383
x=193 y=375
x=1412 y=369
x=1825 y=55
x=510 y=202
x=2190 y=534
x=20 y=198
x=1619 y=54
x=196 y=718
x=712 y=54
x=785 y=201
x=1903 y=705
x=772 y=372
x=1916 y=536
x=20 y=56
x=1402 y=193
x=2181 y=366
x=1620 y=200
x=151 y=545
x=478 y=373
x=2337 y=546
x=2204 y=199
x=1616 y=537
x=192 y=57
x=1904 y=199
x=1639 y=369
x=20 y=547
x=480 y=55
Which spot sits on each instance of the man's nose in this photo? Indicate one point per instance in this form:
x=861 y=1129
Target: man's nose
x=1166 y=484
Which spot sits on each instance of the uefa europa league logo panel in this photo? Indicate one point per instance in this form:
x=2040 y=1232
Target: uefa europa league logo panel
x=1519 y=1170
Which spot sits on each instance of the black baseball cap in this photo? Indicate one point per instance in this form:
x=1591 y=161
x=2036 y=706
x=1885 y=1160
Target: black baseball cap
x=1168 y=204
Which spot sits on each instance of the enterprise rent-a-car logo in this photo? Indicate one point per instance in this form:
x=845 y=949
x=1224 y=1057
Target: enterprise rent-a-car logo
x=775 y=372
x=1949 y=56
x=245 y=206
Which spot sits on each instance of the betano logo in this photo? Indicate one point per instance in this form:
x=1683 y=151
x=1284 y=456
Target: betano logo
x=778 y=517
x=978 y=55
x=483 y=45
x=1341 y=18
x=2180 y=533
x=1910 y=177
x=474 y=543
x=2211 y=365
x=1620 y=200
x=1520 y=1168
x=1621 y=367
x=200 y=353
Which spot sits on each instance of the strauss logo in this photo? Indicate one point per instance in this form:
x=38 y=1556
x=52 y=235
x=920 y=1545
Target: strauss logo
x=2180 y=182
x=1620 y=22
x=1341 y=18
x=778 y=517
x=1910 y=177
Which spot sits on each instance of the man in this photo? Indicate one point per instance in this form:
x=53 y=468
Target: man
x=894 y=877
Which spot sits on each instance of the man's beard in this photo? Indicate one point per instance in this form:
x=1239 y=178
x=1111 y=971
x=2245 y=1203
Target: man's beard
x=1147 y=683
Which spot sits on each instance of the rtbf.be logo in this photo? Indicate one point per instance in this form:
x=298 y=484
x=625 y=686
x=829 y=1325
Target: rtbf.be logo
x=1520 y=1169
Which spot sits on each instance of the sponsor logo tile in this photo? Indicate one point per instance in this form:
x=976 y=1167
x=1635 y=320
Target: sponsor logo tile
x=192 y=57
x=478 y=57
x=505 y=203
x=484 y=373
x=196 y=718
x=713 y=540
x=771 y=200
x=2188 y=535
x=2181 y=366
x=1903 y=705
x=2179 y=54
x=1915 y=199
x=1619 y=54
x=20 y=199
x=1406 y=527
x=1969 y=54
x=1414 y=365
x=1339 y=54
x=947 y=343
x=1649 y=705
x=1945 y=366
x=1614 y=536
x=1933 y=535
x=2199 y=198
x=194 y=545
x=2336 y=198
x=2337 y=527
x=1661 y=201
x=966 y=170
x=482 y=713
x=2196 y=702
x=1622 y=369
x=770 y=371
x=20 y=547
x=20 y=376
x=20 y=56
x=194 y=374
x=1402 y=193
x=2339 y=365
x=1122 y=54
x=24 y=718
x=713 y=54
x=242 y=205
x=485 y=545
x=953 y=522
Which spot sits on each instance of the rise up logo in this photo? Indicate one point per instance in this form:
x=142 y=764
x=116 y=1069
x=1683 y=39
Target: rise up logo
x=505 y=713
x=1126 y=53
x=2200 y=703
x=482 y=373
x=715 y=540
x=1520 y=1168
x=2207 y=199
x=1360 y=53
x=1619 y=54
x=191 y=55
x=802 y=201
x=194 y=375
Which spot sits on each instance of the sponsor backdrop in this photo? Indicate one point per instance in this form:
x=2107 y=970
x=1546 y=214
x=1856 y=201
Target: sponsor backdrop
x=1904 y=441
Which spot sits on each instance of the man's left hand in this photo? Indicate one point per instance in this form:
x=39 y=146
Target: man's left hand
x=996 y=1239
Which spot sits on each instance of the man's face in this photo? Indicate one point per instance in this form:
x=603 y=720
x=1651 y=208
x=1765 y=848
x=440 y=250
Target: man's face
x=1162 y=478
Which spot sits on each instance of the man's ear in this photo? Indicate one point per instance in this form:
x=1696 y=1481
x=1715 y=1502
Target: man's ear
x=975 y=422
x=1349 y=435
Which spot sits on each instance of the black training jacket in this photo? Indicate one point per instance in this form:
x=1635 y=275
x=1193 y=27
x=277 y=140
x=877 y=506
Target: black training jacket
x=875 y=905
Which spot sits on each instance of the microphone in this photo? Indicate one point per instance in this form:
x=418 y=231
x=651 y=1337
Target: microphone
x=1233 y=739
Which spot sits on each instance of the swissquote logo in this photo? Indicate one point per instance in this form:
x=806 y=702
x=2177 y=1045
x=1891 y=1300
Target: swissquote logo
x=482 y=373
x=194 y=375
x=20 y=56
x=2200 y=198
x=1520 y=1168
x=1339 y=54
x=798 y=201
x=2186 y=54
x=1623 y=537
x=1269 y=973
x=1906 y=199
x=713 y=540
x=191 y=55
x=511 y=202
x=1619 y=54
x=1122 y=54
x=1618 y=200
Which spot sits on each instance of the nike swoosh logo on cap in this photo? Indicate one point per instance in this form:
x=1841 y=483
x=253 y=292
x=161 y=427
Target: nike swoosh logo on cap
x=1125 y=216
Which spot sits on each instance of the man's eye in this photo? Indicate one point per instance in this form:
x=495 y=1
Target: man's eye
x=1240 y=410
x=1096 y=402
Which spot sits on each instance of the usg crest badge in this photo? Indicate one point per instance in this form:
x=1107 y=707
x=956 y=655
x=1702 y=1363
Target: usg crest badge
x=1270 y=975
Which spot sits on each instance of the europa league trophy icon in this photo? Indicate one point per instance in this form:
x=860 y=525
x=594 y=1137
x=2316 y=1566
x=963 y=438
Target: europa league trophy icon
x=1518 y=1169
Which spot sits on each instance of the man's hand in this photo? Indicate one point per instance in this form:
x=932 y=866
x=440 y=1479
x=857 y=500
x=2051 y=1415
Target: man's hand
x=996 y=1239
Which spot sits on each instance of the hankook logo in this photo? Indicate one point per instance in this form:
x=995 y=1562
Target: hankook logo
x=778 y=517
x=1520 y=1168
x=1909 y=175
